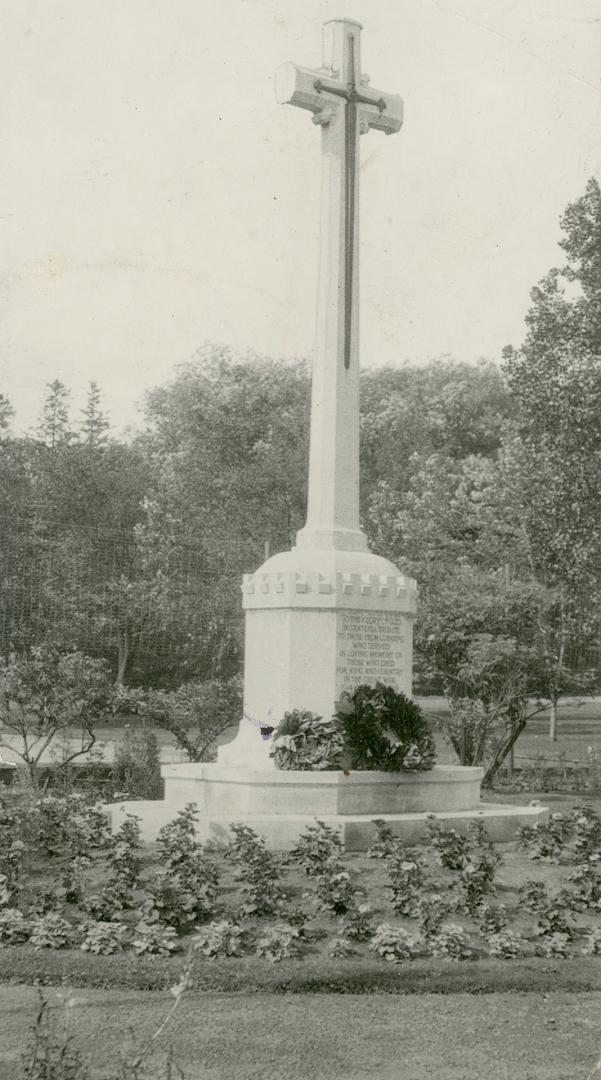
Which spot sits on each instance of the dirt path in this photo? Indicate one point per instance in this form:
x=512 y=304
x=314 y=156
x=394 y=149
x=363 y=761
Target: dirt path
x=332 y=1037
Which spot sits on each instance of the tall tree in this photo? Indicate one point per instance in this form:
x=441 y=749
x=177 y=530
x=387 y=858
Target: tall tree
x=54 y=428
x=94 y=425
x=555 y=382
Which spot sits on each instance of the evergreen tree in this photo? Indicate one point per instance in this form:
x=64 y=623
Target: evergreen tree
x=54 y=429
x=95 y=424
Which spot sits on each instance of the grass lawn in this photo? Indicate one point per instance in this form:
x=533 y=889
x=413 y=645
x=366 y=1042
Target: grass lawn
x=330 y=1037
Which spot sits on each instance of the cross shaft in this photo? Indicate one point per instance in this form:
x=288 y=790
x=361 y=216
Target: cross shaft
x=344 y=108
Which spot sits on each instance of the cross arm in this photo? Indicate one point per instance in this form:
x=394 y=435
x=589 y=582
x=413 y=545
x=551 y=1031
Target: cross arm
x=317 y=91
x=295 y=85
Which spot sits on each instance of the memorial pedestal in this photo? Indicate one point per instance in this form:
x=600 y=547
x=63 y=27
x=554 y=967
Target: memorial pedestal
x=318 y=623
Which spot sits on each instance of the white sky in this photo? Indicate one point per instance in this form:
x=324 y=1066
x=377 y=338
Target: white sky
x=153 y=194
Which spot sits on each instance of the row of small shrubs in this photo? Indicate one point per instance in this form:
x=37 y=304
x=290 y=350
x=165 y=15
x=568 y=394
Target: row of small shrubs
x=373 y=728
x=152 y=913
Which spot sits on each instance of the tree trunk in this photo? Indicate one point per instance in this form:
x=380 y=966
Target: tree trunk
x=123 y=657
x=553 y=721
x=503 y=750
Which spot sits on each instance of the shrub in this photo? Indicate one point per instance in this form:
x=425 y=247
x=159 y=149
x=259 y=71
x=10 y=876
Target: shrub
x=316 y=847
x=506 y=944
x=259 y=872
x=302 y=740
x=151 y=937
x=357 y=924
x=385 y=841
x=385 y=730
x=406 y=873
x=452 y=849
x=340 y=948
x=136 y=770
x=123 y=856
x=394 y=944
x=103 y=938
x=492 y=918
x=187 y=889
x=183 y=898
x=586 y=887
x=279 y=942
x=4 y=891
x=452 y=943
x=334 y=890
x=51 y=931
x=14 y=927
x=550 y=911
x=431 y=911
x=66 y=825
x=219 y=939
x=586 y=826
x=592 y=944
x=477 y=879
x=555 y=944
x=73 y=878
x=546 y=840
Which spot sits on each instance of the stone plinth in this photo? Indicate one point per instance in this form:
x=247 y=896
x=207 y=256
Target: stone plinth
x=280 y=805
x=318 y=622
x=220 y=790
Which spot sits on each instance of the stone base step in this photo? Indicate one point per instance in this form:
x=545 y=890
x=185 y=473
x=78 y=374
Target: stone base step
x=281 y=832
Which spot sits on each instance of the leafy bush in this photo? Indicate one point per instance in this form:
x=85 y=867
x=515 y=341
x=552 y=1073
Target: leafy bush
x=124 y=857
x=67 y=825
x=259 y=872
x=357 y=924
x=316 y=847
x=452 y=849
x=507 y=944
x=51 y=931
x=186 y=890
x=477 y=879
x=4 y=891
x=547 y=839
x=385 y=730
x=220 y=938
x=431 y=911
x=73 y=878
x=136 y=770
x=14 y=927
x=452 y=943
x=103 y=938
x=340 y=948
x=586 y=886
x=394 y=944
x=279 y=942
x=555 y=944
x=492 y=918
x=592 y=944
x=586 y=826
x=550 y=911
x=385 y=841
x=183 y=898
x=150 y=937
x=302 y=740
x=334 y=889
x=406 y=873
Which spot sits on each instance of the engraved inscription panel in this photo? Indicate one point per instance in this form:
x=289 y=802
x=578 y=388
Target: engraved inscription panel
x=370 y=648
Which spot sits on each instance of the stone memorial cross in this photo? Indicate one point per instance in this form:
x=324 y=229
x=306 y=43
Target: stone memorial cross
x=328 y=615
x=345 y=107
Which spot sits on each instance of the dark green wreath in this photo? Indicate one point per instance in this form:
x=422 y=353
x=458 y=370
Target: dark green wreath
x=385 y=730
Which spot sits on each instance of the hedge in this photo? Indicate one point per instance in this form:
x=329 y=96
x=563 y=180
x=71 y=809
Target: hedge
x=24 y=965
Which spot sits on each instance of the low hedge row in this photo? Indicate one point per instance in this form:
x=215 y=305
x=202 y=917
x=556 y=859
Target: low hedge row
x=24 y=965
